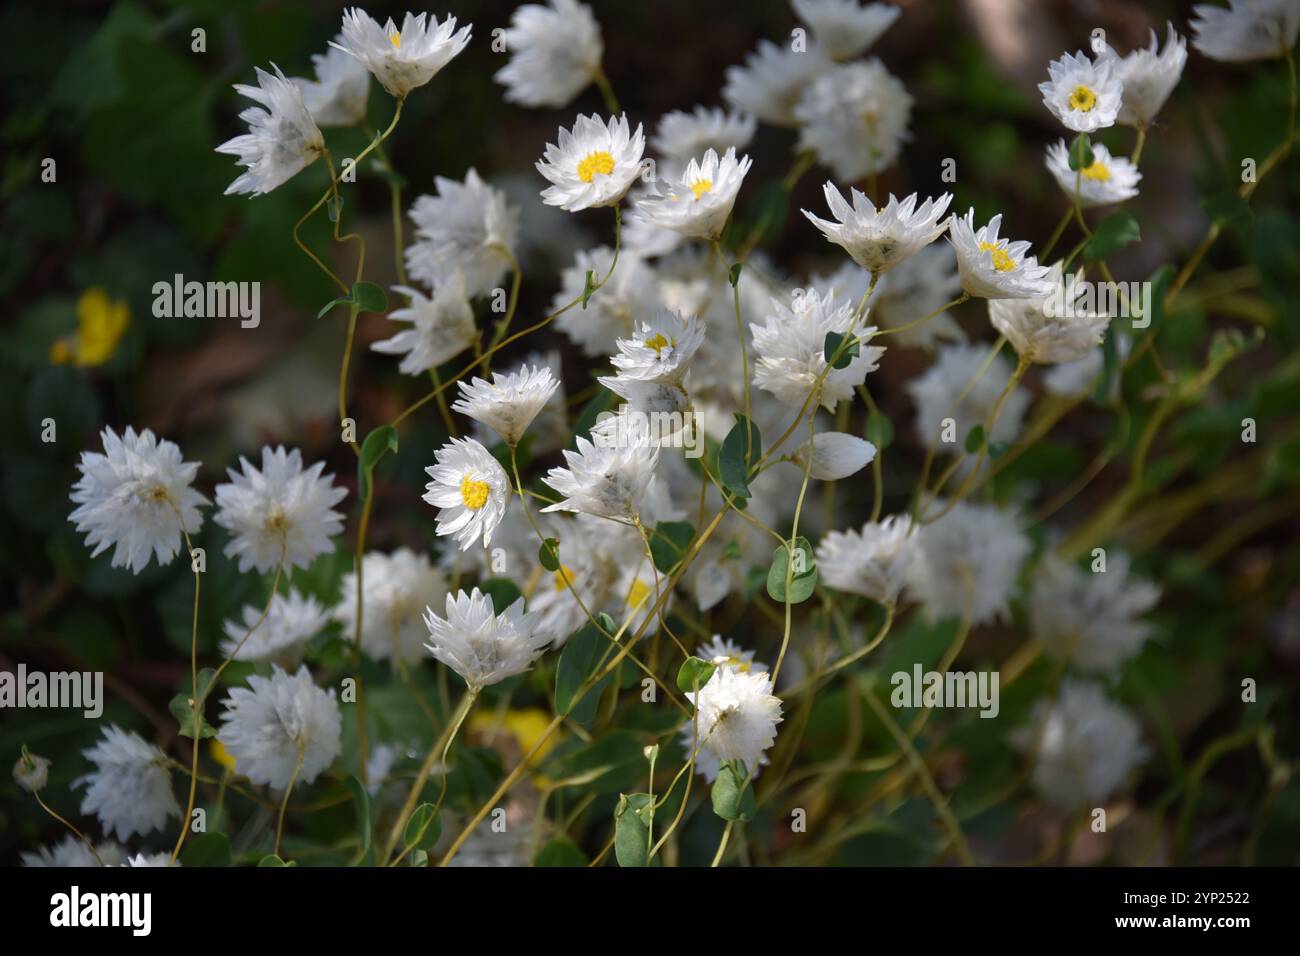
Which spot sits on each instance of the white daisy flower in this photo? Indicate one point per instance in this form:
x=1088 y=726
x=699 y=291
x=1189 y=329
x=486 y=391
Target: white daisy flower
x=130 y=789
x=1149 y=77
x=938 y=394
x=993 y=268
x=441 y=327
x=397 y=588
x=1084 y=94
x=1084 y=746
x=1091 y=619
x=151 y=859
x=681 y=135
x=470 y=489
x=338 y=95
x=594 y=165
x=660 y=349
x=790 y=349
x=550 y=429
x=641 y=234
x=31 y=771
x=71 y=852
x=845 y=28
x=699 y=205
x=290 y=623
x=724 y=652
x=1246 y=29
x=834 y=455
x=630 y=295
x=609 y=481
x=404 y=59
x=281 y=512
x=555 y=53
x=654 y=412
x=136 y=498
x=1079 y=379
x=510 y=402
x=1110 y=179
x=854 y=117
x=1050 y=330
x=737 y=714
x=484 y=647
x=966 y=563
x=280 y=723
x=467 y=228
x=282 y=137
x=772 y=80
x=873 y=562
x=880 y=239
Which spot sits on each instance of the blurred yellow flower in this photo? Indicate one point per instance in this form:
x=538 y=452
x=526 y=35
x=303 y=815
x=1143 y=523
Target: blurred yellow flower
x=101 y=323
x=221 y=755
x=526 y=725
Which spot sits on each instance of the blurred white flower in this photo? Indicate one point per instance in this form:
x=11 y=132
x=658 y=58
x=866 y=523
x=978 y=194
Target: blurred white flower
x=1083 y=745
x=555 y=53
x=130 y=789
x=878 y=240
x=845 y=28
x=281 y=512
x=151 y=859
x=1149 y=77
x=790 y=349
x=1084 y=94
x=1110 y=179
x=31 y=772
x=737 y=715
x=854 y=117
x=938 y=394
x=291 y=621
x=608 y=481
x=1091 y=619
x=136 y=498
x=594 y=165
x=281 y=724
x=282 y=137
x=510 y=402
x=484 y=647
x=698 y=205
x=71 y=852
x=631 y=295
x=1055 y=329
x=993 y=268
x=402 y=60
x=772 y=81
x=834 y=455
x=1246 y=29
x=872 y=562
x=467 y=228
x=441 y=327
x=724 y=652
x=681 y=136
x=919 y=286
x=396 y=589
x=338 y=95
x=470 y=489
x=967 y=562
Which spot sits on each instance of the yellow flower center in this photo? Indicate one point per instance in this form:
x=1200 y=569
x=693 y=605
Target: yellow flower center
x=473 y=493
x=701 y=186
x=637 y=593
x=563 y=576
x=1083 y=99
x=1001 y=261
x=597 y=162
x=659 y=342
x=396 y=40
x=1098 y=172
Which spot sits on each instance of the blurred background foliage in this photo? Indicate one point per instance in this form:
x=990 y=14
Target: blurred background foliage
x=130 y=114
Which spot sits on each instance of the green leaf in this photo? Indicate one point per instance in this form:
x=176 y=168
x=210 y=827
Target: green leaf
x=341 y=300
x=377 y=444
x=632 y=819
x=1110 y=368
x=361 y=800
x=561 y=852
x=369 y=297
x=423 y=828
x=334 y=207
x=1111 y=235
x=694 y=674
x=549 y=554
x=1081 y=152
x=588 y=287
x=668 y=543
x=581 y=655
x=206 y=849
x=182 y=708
x=975 y=439
x=732 y=794
x=1227 y=208
x=836 y=357
x=733 y=462
x=733 y=274
x=272 y=860
x=880 y=430
x=804 y=577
